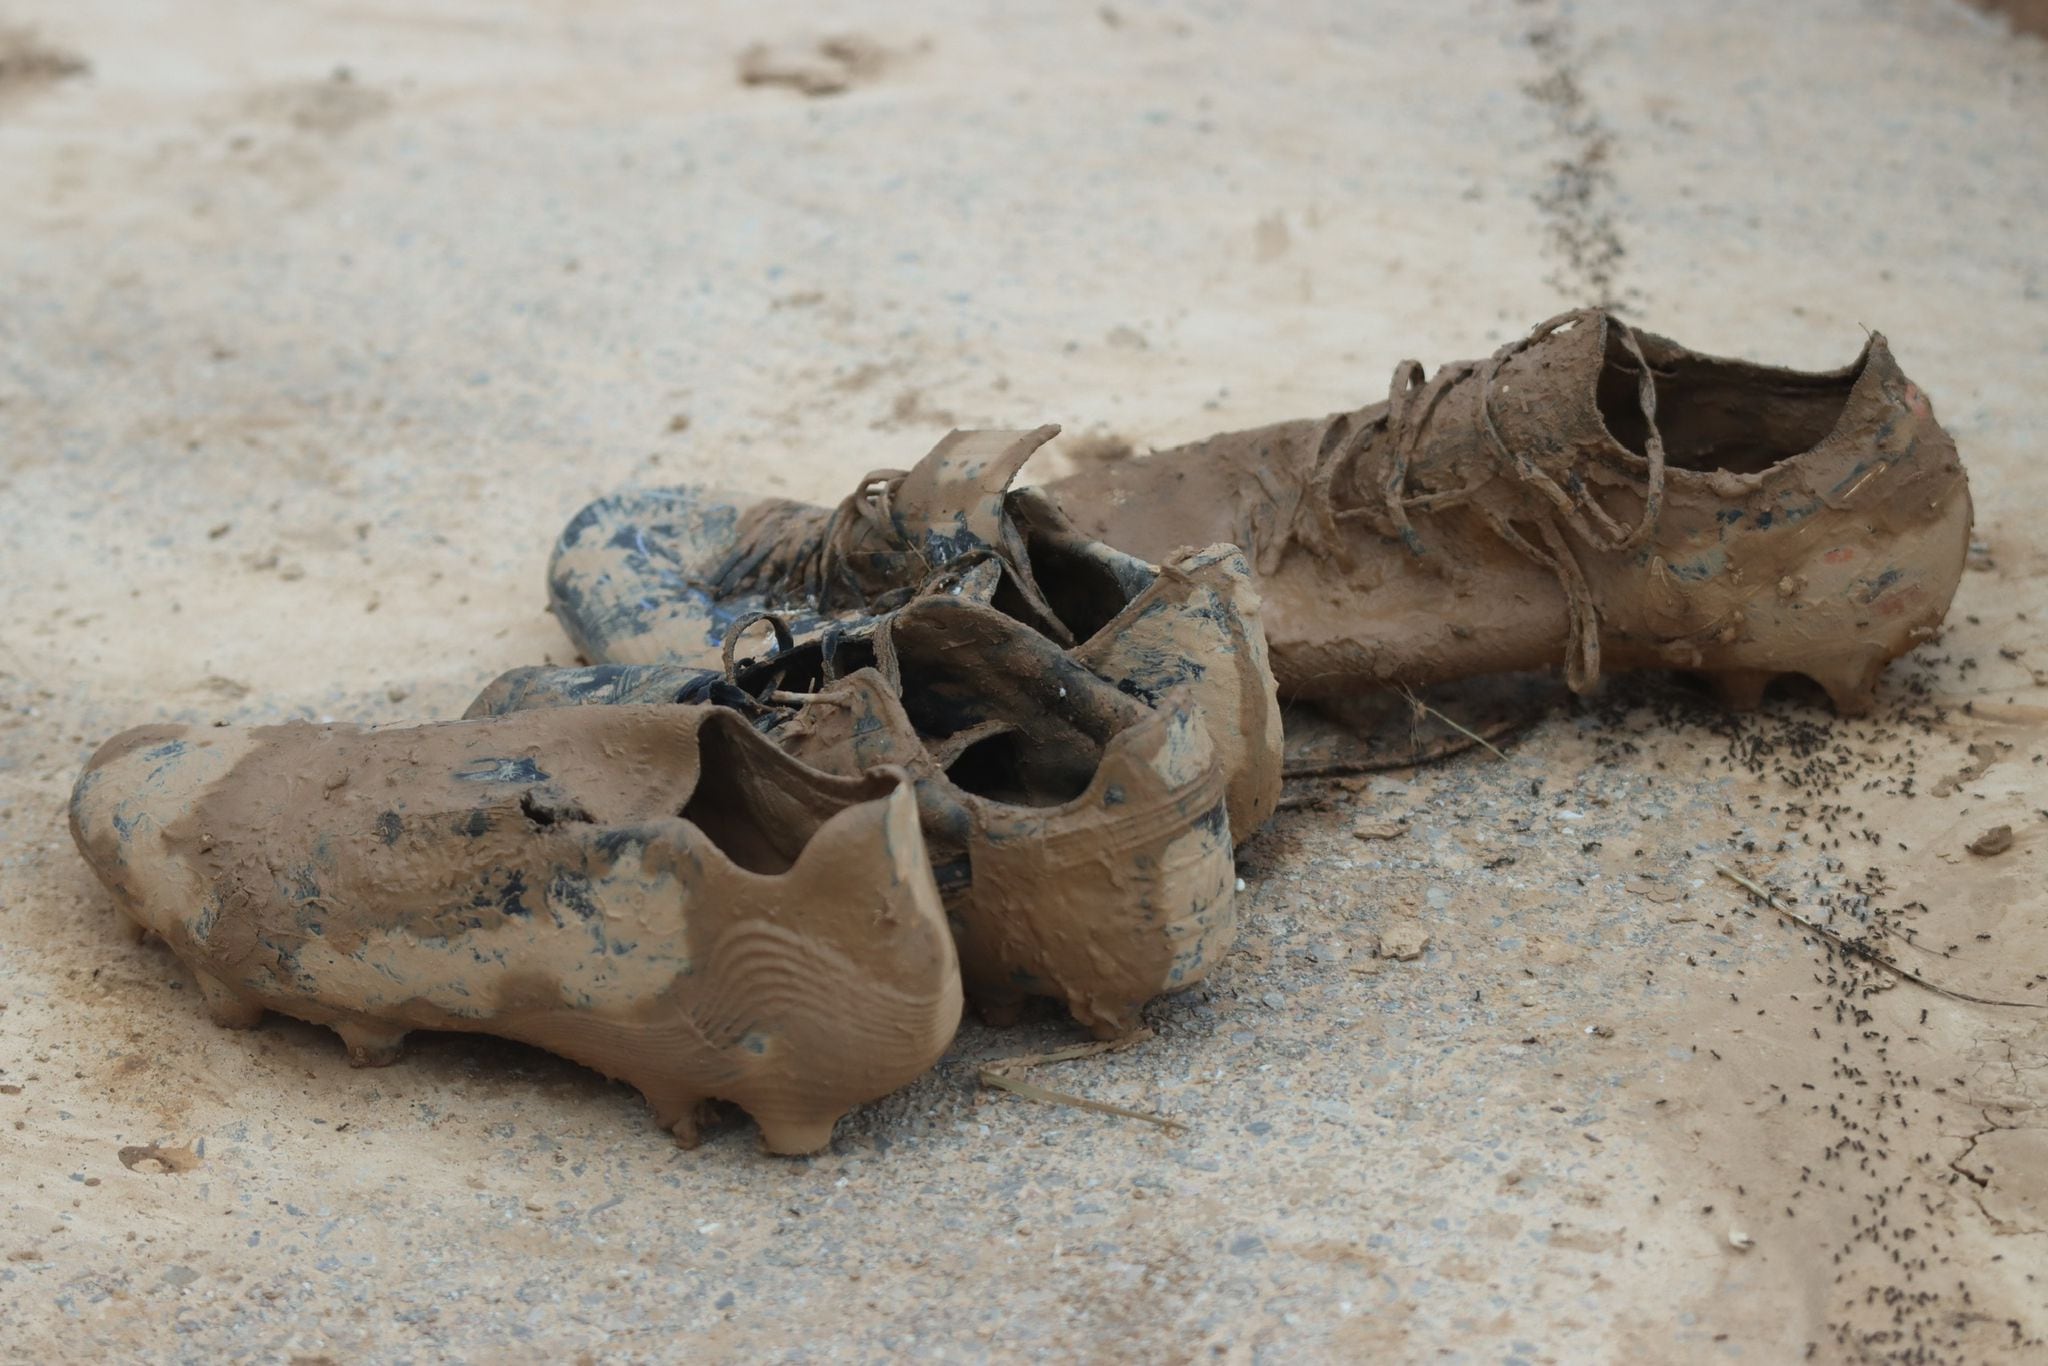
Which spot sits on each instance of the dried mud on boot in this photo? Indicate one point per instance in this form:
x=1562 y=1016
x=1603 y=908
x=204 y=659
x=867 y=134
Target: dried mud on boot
x=537 y=686
x=1590 y=496
x=653 y=891
x=667 y=576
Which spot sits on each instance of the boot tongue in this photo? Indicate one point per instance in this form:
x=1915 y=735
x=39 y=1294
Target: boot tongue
x=955 y=495
x=1545 y=398
x=955 y=502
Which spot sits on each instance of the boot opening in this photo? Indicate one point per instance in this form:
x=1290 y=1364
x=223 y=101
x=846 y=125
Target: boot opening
x=754 y=813
x=1720 y=415
x=1048 y=720
x=804 y=669
x=1082 y=592
x=1084 y=582
x=964 y=666
x=1008 y=767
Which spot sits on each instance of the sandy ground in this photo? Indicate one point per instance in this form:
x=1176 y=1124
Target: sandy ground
x=320 y=319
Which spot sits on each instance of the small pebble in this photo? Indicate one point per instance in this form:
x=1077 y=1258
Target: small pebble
x=1996 y=840
x=1403 y=943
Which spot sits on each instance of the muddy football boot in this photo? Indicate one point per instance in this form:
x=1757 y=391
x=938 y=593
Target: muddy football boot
x=667 y=576
x=1592 y=496
x=1080 y=836
x=656 y=892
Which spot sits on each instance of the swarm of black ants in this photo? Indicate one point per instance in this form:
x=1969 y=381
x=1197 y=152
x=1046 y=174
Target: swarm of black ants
x=1900 y=1297
x=1822 y=764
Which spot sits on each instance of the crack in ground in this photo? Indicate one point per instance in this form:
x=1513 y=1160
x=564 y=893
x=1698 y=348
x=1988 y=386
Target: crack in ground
x=1972 y=1140
x=2004 y=1228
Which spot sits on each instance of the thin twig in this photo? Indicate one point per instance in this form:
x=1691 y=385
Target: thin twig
x=1003 y=1081
x=997 y=1074
x=1428 y=710
x=1070 y=1054
x=1851 y=946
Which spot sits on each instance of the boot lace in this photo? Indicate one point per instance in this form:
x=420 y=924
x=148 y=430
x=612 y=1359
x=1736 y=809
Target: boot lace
x=1395 y=434
x=823 y=570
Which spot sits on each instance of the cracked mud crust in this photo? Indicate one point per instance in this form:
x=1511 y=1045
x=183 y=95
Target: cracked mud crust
x=655 y=892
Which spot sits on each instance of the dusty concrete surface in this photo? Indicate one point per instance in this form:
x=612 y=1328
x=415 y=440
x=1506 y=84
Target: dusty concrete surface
x=319 y=321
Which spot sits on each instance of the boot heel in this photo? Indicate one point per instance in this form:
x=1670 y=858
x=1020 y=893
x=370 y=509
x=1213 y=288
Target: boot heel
x=1740 y=689
x=1850 y=681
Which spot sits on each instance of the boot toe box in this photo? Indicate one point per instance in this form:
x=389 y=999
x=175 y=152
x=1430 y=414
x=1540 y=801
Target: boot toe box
x=135 y=788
